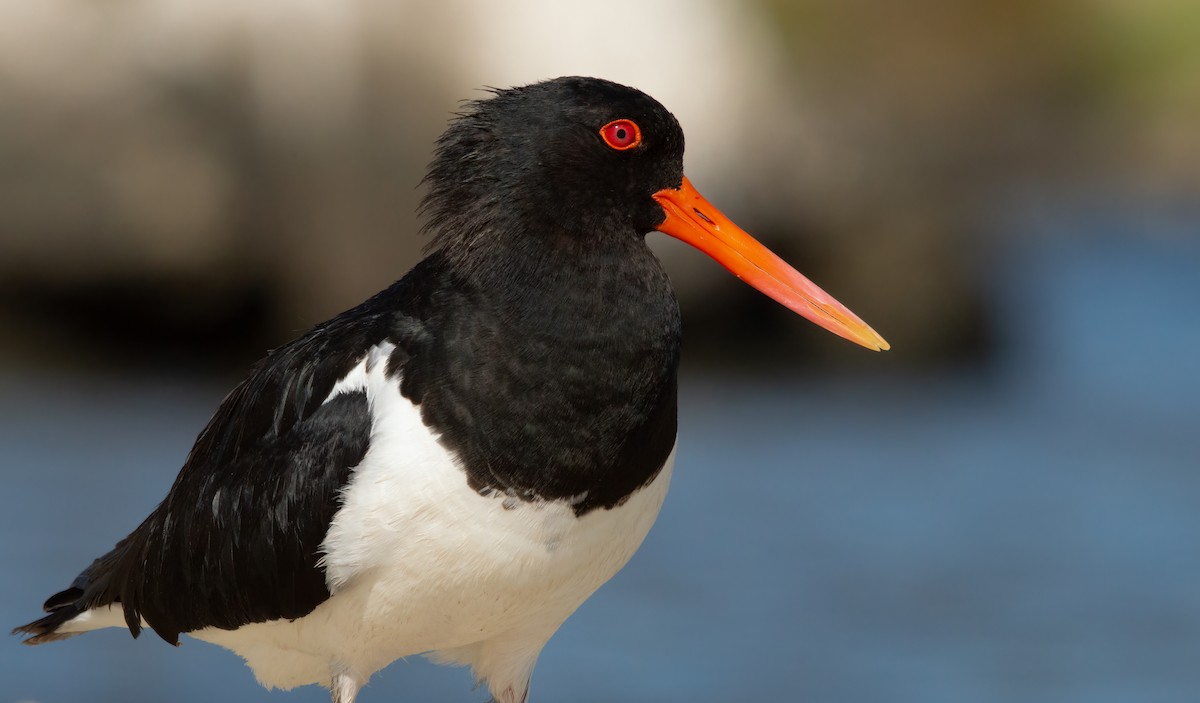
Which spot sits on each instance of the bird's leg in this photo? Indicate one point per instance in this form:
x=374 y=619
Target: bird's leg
x=343 y=687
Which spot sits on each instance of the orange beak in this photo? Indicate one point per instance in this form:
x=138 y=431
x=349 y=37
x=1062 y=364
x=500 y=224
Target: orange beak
x=694 y=220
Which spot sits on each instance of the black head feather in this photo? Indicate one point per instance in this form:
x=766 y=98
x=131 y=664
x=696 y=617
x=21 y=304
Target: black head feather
x=530 y=161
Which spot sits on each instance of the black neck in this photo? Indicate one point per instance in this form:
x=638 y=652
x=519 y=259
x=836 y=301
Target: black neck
x=554 y=375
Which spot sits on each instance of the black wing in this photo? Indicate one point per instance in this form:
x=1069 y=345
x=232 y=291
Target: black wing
x=237 y=538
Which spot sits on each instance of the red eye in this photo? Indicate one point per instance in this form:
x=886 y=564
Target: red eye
x=621 y=134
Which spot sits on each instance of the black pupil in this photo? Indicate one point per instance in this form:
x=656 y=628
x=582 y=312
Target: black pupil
x=620 y=134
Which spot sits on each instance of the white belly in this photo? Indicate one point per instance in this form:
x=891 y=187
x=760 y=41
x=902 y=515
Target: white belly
x=419 y=563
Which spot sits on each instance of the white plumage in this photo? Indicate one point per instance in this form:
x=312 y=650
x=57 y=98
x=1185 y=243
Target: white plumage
x=418 y=562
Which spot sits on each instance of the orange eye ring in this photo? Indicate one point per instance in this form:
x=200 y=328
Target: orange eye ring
x=621 y=134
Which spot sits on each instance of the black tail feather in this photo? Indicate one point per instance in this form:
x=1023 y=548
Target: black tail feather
x=65 y=598
x=46 y=629
x=89 y=589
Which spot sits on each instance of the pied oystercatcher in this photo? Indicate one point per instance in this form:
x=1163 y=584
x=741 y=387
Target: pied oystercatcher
x=452 y=467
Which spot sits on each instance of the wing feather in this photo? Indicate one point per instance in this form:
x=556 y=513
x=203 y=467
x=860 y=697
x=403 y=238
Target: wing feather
x=236 y=540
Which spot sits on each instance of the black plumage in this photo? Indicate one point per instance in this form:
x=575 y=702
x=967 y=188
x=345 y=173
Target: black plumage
x=538 y=342
x=496 y=338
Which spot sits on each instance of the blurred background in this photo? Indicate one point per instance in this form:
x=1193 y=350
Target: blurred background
x=1003 y=507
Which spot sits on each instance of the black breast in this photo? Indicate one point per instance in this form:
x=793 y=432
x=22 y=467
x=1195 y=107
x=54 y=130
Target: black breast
x=555 y=384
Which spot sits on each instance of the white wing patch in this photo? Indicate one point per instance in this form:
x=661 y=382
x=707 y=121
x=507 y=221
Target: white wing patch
x=352 y=382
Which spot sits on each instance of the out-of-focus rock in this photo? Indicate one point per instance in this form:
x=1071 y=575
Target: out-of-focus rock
x=222 y=175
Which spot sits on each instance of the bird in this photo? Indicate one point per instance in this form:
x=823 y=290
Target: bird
x=452 y=467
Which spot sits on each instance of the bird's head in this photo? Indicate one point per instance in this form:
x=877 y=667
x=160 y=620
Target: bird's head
x=595 y=160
